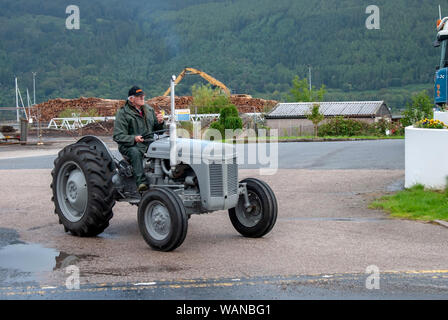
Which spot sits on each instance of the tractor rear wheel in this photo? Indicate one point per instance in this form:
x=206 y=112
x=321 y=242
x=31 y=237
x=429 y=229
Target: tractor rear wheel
x=82 y=189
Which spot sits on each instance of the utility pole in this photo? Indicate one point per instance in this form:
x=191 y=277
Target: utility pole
x=309 y=68
x=17 y=101
x=34 y=88
x=40 y=142
x=28 y=101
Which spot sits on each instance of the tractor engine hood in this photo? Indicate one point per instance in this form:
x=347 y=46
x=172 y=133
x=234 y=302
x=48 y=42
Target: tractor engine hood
x=193 y=151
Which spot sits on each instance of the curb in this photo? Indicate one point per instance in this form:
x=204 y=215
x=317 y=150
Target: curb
x=441 y=223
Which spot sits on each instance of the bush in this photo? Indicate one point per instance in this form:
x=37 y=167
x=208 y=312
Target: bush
x=396 y=129
x=348 y=127
x=218 y=126
x=228 y=119
x=230 y=111
x=381 y=127
x=341 y=127
x=419 y=109
x=233 y=123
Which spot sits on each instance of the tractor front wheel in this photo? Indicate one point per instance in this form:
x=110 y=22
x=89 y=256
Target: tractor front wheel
x=259 y=218
x=162 y=220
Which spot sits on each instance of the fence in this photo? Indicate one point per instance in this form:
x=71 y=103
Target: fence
x=74 y=123
x=296 y=131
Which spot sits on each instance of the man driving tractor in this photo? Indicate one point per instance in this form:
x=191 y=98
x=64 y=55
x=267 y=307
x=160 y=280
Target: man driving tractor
x=134 y=121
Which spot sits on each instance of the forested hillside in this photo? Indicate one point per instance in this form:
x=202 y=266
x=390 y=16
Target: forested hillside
x=253 y=46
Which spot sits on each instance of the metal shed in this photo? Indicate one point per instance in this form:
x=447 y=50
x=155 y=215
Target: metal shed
x=290 y=118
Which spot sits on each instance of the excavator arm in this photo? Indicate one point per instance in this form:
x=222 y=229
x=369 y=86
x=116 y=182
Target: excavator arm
x=207 y=77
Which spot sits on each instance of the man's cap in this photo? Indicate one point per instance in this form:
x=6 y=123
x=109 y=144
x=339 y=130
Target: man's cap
x=135 y=91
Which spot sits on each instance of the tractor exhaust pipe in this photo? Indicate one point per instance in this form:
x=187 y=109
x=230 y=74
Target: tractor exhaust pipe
x=173 y=131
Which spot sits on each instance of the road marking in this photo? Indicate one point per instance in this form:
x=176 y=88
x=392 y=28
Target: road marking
x=203 y=283
x=145 y=284
x=418 y=271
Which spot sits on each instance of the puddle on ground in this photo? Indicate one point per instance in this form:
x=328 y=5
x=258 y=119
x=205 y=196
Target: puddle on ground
x=22 y=263
x=27 y=257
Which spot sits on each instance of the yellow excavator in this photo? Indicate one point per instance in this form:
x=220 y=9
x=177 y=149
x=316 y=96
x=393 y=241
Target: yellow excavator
x=207 y=77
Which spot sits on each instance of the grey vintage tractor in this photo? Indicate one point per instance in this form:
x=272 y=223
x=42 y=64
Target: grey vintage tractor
x=186 y=176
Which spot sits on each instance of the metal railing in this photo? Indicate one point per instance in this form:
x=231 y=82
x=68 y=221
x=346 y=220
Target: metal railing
x=75 y=123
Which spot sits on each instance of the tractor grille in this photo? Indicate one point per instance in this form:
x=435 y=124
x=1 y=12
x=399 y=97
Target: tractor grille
x=216 y=183
x=232 y=177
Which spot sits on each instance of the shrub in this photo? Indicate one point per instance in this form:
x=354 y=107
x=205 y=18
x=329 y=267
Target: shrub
x=341 y=127
x=218 y=126
x=228 y=119
x=348 y=127
x=381 y=127
x=396 y=129
x=230 y=111
x=419 y=109
x=233 y=123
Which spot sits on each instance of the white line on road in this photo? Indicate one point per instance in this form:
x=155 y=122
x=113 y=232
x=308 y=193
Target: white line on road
x=145 y=284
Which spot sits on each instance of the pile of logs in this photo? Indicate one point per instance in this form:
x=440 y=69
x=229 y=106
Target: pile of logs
x=106 y=107
x=53 y=108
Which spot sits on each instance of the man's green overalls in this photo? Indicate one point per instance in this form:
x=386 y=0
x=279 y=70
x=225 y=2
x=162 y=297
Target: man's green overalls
x=129 y=123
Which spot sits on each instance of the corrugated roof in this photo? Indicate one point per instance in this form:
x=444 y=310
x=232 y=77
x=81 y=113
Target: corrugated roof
x=328 y=109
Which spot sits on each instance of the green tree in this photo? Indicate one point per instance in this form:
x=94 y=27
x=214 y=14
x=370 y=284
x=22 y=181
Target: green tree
x=203 y=95
x=420 y=108
x=315 y=117
x=300 y=91
x=228 y=119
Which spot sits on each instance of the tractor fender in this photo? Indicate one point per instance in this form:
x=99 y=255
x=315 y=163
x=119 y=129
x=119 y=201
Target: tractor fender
x=100 y=145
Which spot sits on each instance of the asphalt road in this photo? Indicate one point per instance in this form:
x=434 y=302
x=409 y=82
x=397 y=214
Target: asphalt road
x=428 y=285
x=377 y=154
x=324 y=239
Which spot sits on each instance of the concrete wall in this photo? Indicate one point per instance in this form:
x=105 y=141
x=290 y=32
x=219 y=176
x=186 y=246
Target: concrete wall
x=442 y=116
x=426 y=157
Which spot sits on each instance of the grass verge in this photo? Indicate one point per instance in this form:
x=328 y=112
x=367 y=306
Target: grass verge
x=415 y=203
x=342 y=137
x=313 y=138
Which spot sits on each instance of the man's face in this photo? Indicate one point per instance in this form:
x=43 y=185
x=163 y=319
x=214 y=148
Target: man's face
x=138 y=101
